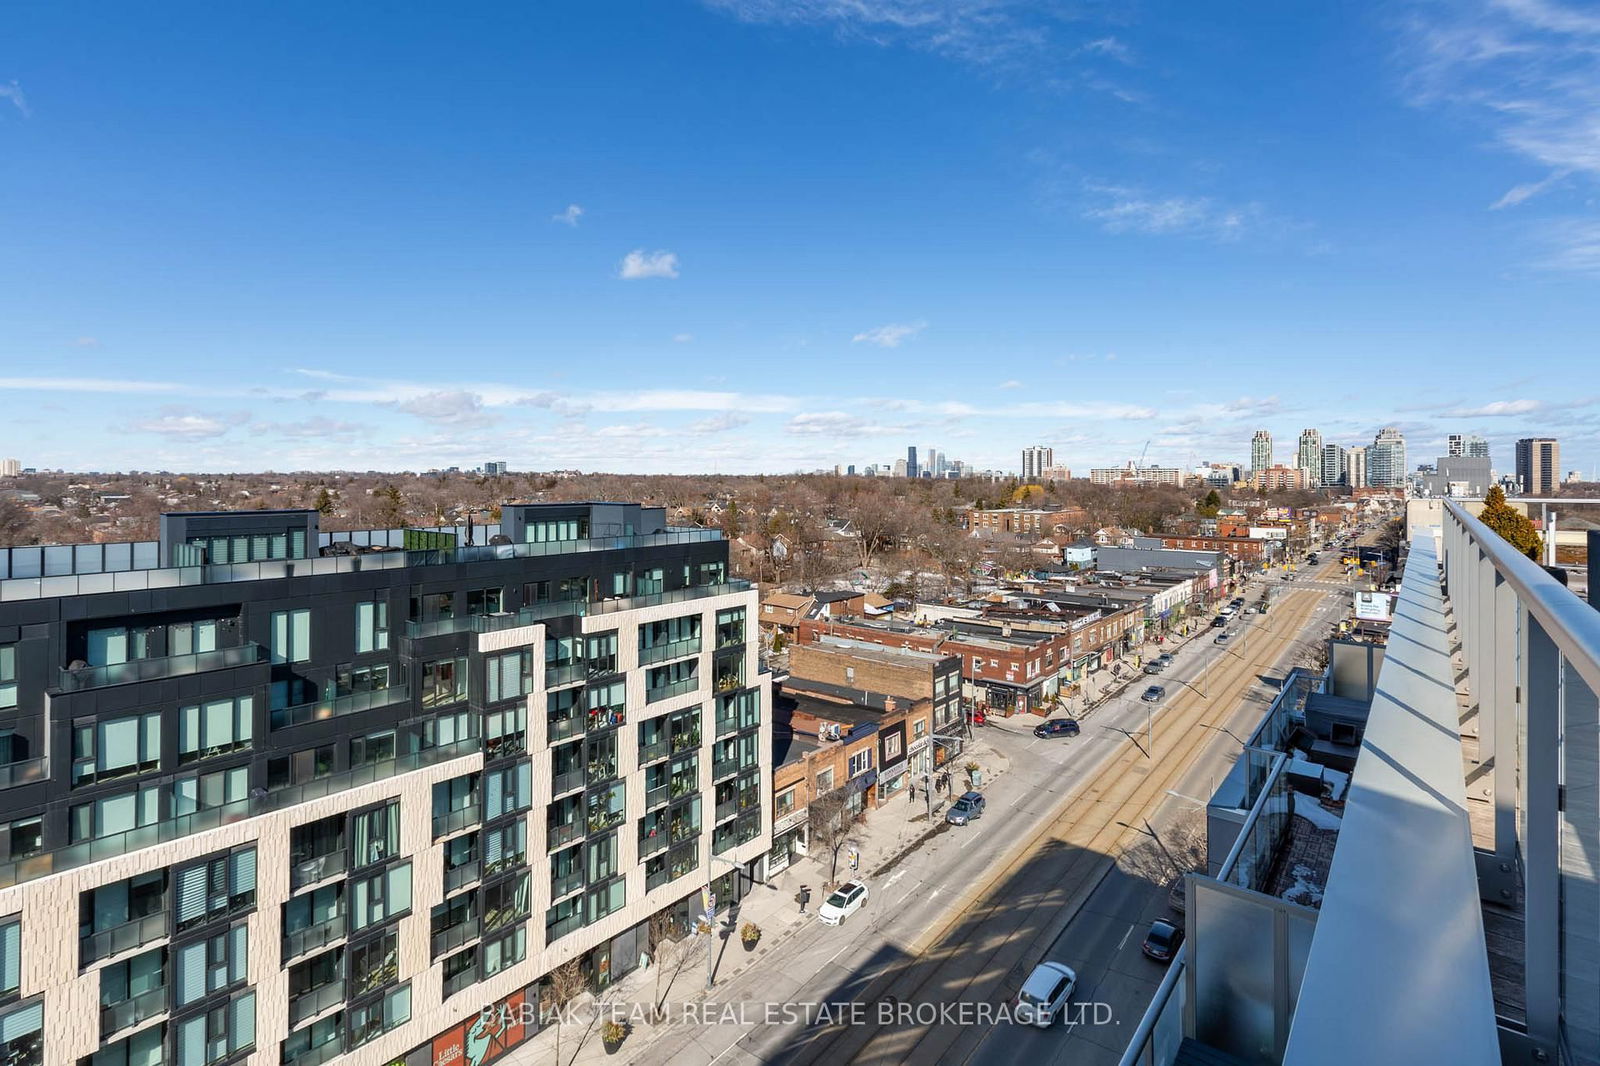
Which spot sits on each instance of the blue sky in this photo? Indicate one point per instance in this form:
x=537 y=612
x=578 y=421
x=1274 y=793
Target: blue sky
x=768 y=235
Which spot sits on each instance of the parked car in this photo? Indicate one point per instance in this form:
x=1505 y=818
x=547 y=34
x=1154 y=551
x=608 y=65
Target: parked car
x=1161 y=942
x=1045 y=992
x=1057 y=727
x=1154 y=694
x=1154 y=666
x=966 y=808
x=1218 y=622
x=1224 y=638
x=1165 y=658
x=842 y=903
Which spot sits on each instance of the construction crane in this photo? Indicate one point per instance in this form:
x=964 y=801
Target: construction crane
x=1140 y=465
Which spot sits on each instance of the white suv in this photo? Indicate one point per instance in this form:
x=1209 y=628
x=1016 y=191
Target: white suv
x=1045 y=991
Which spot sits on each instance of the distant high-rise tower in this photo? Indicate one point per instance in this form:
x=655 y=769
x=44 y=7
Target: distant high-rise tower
x=1036 y=460
x=10 y=467
x=1332 y=469
x=1386 y=459
x=1467 y=446
x=1309 y=459
x=1355 y=466
x=1260 y=450
x=911 y=462
x=1538 y=466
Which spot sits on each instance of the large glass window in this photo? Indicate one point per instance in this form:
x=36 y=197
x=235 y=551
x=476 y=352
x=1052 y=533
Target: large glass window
x=206 y=791
x=218 y=886
x=111 y=645
x=378 y=1017
x=444 y=681
x=381 y=897
x=559 y=530
x=22 y=1035
x=210 y=965
x=606 y=704
x=486 y=601
x=217 y=1034
x=117 y=747
x=374 y=964
x=507 y=951
x=505 y=846
x=507 y=790
x=110 y=815
x=604 y=900
x=730 y=627
x=509 y=676
x=376 y=834
x=8 y=676
x=372 y=626
x=10 y=957
x=143 y=1048
x=291 y=636
x=215 y=728
x=601 y=652
x=506 y=902
x=606 y=805
x=184 y=638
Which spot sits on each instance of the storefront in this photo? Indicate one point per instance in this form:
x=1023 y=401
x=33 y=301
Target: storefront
x=857 y=791
x=486 y=1036
x=921 y=755
x=788 y=841
x=892 y=760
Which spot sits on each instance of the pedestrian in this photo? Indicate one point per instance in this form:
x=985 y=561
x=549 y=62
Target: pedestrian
x=911 y=791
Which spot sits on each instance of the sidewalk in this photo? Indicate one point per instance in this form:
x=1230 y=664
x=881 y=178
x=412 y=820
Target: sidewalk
x=887 y=834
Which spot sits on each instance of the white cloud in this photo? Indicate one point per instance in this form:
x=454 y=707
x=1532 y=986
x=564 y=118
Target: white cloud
x=1109 y=47
x=1497 y=409
x=639 y=264
x=90 y=385
x=1012 y=384
x=1527 y=190
x=718 y=423
x=13 y=92
x=829 y=424
x=568 y=217
x=1124 y=209
x=891 y=335
x=316 y=428
x=682 y=338
x=190 y=426
x=86 y=342
x=445 y=407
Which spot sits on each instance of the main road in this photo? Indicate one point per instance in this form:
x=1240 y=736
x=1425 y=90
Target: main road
x=956 y=926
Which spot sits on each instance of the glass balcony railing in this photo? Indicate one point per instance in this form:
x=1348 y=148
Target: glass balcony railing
x=91 y=677
x=460 y=982
x=675 y=649
x=566 y=884
x=25 y=772
x=457 y=877
x=447 y=940
x=73 y=856
x=655 y=749
x=559 y=835
x=649 y=845
x=316 y=1056
x=119 y=938
x=314 y=868
x=724 y=768
x=565 y=674
x=335 y=707
x=313 y=937
x=675 y=688
x=562 y=728
x=693 y=592
x=505 y=747
x=559 y=928
x=315 y=1001
x=454 y=821
x=655 y=797
x=727 y=725
x=505 y=862
x=115 y=1017
x=567 y=781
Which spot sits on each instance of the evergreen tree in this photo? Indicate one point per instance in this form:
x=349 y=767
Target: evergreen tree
x=1208 y=507
x=1514 y=527
x=324 y=501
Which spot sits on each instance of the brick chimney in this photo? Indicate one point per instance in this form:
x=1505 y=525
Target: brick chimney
x=889 y=704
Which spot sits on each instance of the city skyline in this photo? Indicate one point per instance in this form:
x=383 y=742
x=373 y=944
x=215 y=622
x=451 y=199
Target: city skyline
x=533 y=250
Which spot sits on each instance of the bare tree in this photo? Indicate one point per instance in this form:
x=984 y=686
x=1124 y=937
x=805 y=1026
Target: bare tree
x=14 y=522
x=879 y=522
x=567 y=983
x=830 y=821
x=665 y=951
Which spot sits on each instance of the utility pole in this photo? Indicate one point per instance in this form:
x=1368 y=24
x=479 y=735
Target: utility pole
x=711 y=916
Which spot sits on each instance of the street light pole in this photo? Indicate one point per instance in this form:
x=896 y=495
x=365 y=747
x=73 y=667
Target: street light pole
x=711 y=917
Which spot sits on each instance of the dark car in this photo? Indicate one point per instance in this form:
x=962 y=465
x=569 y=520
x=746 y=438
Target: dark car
x=1162 y=941
x=1218 y=622
x=1057 y=727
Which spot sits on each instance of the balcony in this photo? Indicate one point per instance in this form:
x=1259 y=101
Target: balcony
x=676 y=688
x=601 y=821
x=650 y=844
x=338 y=706
x=655 y=797
x=728 y=725
x=565 y=884
x=686 y=741
x=119 y=938
x=92 y=677
x=673 y=649
x=559 y=928
x=684 y=595
x=723 y=768
x=508 y=746
x=506 y=862
x=313 y=937
x=25 y=772
x=447 y=940
x=315 y=1001
x=562 y=728
x=316 y=1056
x=655 y=750
x=314 y=868
x=455 y=821
x=558 y=835
x=565 y=674
x=460 y=982
x=566 y=781
x=130 y=1012
x=457 y=877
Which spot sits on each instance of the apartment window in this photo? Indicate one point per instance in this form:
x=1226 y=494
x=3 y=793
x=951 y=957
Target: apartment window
x=460 y=971
x=374 y=964
x=507 y=790
x=8 y=676
x=893 y=746
x=206 y=791
x=143 y=1048
x=110 y=815
x=444 y=681
x=606 y=704
x=349 y=678
x=376 y=834
x=505 y=723
x=119 y=747
x=649 y=582
x=217 y=1034
x=112 y=645
x=26 y=837
x=486 y=601
x=381 y=897
x=215 y=887
x=185 y=638
x=380 y=1016
x=600 y=858
x=210 y=965
x=602 y=653
x=215 y=728
x=560 y=530
x=860 y=763
x=313 y=908
x=507 y=951
x=291 y=636
x=783 y=802
x=509 y=675
x=372 y=626
x=10 y=958
x=506 y=902
x=284 y=771
x=505 y=846
x=21 y=1036
x=372 y=748
x=919 y=729
x=445 y=729
x=825 y=781
x=604 y=900
x=561 y=652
